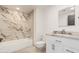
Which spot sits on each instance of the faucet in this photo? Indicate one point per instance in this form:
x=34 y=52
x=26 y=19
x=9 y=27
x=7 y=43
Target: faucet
x=63 y=31
x=59 y=32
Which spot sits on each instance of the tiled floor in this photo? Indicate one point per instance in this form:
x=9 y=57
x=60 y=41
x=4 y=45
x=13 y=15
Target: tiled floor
x=30 y=50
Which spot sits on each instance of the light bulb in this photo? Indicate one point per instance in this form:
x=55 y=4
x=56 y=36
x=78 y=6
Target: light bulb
x=18 y=8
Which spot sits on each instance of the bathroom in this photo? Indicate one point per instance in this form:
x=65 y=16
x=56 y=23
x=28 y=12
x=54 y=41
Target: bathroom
x=17 y=29
x=39 y=28
x=58 y=26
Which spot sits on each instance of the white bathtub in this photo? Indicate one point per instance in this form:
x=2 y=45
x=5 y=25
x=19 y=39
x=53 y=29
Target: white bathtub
x=14 y=45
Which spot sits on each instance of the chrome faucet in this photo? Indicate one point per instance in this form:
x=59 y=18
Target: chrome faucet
x=63 y=31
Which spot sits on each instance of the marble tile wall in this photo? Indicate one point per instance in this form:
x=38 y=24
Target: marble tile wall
x=15 y=25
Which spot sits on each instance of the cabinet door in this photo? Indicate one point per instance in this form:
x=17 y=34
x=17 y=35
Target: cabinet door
x=59 y=48
x=70 y=50
x=50 y=44
x=73 y=43
x=54 y=45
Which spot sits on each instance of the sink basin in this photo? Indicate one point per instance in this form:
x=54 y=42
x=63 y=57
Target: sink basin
x=72 y=35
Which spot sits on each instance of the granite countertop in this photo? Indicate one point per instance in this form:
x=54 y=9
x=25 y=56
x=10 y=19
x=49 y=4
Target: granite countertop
x=76 y=37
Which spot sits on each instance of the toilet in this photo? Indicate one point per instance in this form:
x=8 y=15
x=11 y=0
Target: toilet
x=40 y=45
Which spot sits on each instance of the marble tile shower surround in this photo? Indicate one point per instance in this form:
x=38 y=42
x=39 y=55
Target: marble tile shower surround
x=15 y=25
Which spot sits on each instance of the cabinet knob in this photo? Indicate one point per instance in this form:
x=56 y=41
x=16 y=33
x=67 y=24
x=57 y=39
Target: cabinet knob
x=58 y=41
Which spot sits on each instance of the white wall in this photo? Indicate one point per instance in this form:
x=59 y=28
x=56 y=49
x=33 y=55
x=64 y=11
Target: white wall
x=39 y=22
x=52 y=19
x=46 y=20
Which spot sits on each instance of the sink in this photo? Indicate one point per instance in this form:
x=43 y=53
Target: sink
x=62 y=32
x=66 y=35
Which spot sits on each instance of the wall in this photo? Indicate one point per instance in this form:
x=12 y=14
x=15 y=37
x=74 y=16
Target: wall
x=46 y=20
x=63 y=16
x=39 y=23
x=52 y=19
x=14 y=24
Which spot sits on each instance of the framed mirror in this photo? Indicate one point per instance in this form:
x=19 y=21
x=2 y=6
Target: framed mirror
x=67 y=17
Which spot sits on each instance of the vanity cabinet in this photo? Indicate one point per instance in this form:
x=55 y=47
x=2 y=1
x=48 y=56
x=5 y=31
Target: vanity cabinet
x=55 y=44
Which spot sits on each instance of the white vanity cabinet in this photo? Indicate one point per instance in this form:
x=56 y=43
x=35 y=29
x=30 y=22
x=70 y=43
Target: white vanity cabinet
x=71 y=45
x=56 y=44
x=50 y=46
x=53 y=44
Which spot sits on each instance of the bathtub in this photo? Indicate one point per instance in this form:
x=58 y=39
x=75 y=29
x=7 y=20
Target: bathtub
x=14 y=45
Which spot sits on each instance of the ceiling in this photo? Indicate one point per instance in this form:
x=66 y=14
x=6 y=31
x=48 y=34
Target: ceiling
x=23 y=8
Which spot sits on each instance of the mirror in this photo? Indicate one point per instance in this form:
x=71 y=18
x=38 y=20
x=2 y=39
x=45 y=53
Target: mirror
x=67 y=16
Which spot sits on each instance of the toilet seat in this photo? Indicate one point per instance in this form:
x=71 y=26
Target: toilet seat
x=40 y=44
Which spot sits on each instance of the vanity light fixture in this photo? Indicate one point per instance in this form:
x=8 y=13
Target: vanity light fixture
x=18 y=8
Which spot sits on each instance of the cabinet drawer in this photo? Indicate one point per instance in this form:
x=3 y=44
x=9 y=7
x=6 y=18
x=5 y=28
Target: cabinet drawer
x=70 y=50
x=54 y=47
x=71 y=43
